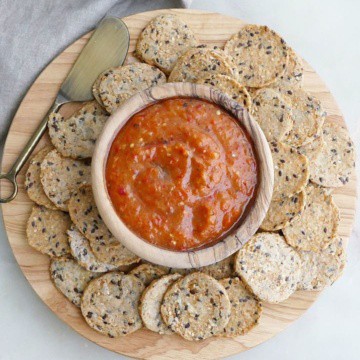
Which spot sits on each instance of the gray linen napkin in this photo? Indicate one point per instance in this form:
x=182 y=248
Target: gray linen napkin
x=34 y=31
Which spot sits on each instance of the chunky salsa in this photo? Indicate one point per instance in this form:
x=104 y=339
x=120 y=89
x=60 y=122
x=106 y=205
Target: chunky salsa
x=181 y=172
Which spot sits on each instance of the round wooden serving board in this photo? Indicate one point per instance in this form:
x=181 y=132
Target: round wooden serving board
x=210 y=28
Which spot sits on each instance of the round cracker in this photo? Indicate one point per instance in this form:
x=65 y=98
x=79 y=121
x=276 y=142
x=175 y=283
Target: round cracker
x=318 y=223
x=163 y=40
x=82 y=252
x=150 y=303
x=75 y=137
x=85 y=215
x=293 y=75
x=312 y=151
x=245 y=308
x=221 y=269
x=230 y=87
x=196 y=307
x=269 y=267
x=110 y=304
x=291 y=170
x=33 y=184
x=336 y=160
x=260 y=54
x=60 y=177
x=201 y=62
x=308 y=117
x=96 y=90
x=272 y=113
x=119 y=84
x=149 y=272
x=70 y=278
x=282 y=212
x=323 y=268
x=46 y=231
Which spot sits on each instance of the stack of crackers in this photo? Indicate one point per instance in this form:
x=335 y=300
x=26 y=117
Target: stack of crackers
x=297 y=246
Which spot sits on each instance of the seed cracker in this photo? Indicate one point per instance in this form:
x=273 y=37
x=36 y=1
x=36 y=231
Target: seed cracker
x=149 y=272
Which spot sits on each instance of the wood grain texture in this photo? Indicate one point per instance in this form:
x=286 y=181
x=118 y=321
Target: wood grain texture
x=252 y=218
x=210 y=28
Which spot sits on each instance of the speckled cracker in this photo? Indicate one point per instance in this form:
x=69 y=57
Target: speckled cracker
x=46 y=231
x=75 y=137
x=261 y=55
x=96 y=90
x=308 y=117
x=201 y=62
x=322 y=269
x=282 y=212
x=110 y=304
x=245 y=308
x=196 y=307
x=312 y=151
x=70 y=278
x=82 y=252
x=293 y=75
x=150 y=303
x=149 y=272
x=269 y=267
x=272 y=113
x=221 y=269
x=85 y=215
x=318 y=223
x=119 y=84
x=230 y=87
x=291 y=170
x=33 y=184
x=336 y=160
x=163 y=40
x=60 y=177
x=181 y=271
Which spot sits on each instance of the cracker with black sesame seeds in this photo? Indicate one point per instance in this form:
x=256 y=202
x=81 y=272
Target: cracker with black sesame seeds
x=245 y=308
x=119 y=84
x=76 y=136
x=201 y=62
x=260 y=54
x=335 y=162
x=110 y=304
x=312 y=151
x=149 y=272
x=61 y=176
x=196 y=307
x=321 y=269
x=70 y=278
x=318 y=223
x=308 y=117
x=33 y=184
x=181 y=271
x=163 y=40
x=96 y=90
x=291 y=170
x=293 y=75
x=269 y=267
x=85 y=215
x=272 y=113
x=221 y=269
x=46 y=231
x=150 y=303
x=82 y=252
x=283 y=212
x=228 y=86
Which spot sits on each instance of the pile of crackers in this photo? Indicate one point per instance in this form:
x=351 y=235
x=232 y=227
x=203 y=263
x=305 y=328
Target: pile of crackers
x=297 y=246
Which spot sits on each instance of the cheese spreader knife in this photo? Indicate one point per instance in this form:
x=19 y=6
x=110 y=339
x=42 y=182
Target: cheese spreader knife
x=107 y=47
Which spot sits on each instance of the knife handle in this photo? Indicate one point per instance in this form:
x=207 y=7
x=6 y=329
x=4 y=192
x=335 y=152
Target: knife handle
x=26 y=152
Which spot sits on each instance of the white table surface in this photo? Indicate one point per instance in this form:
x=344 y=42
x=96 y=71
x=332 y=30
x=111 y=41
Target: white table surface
x=326 y=33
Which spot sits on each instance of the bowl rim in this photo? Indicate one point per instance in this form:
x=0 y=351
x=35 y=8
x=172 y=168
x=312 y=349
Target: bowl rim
x=238 y=236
